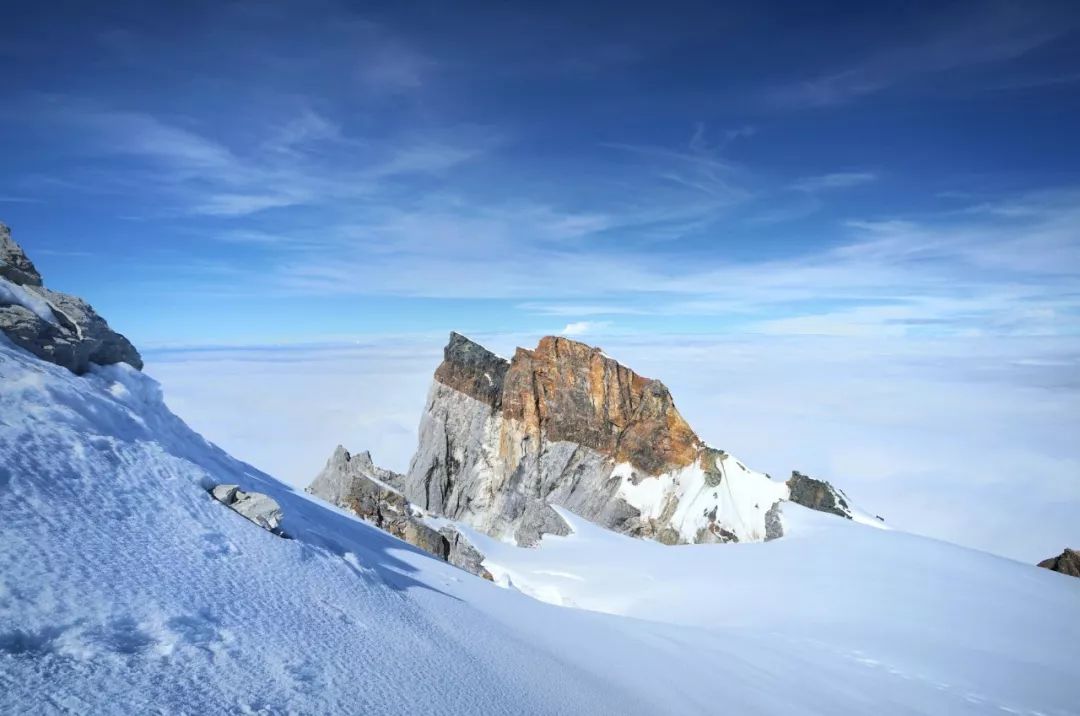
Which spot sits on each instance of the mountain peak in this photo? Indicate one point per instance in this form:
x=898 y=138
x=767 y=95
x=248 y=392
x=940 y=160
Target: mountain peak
x=564 y=423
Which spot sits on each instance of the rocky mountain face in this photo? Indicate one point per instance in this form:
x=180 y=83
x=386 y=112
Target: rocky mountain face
x=54 y=326
x=1068 y=562
x=502 y=441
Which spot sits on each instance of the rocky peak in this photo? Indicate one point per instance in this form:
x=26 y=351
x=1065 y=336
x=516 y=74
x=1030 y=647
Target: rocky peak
x=54 y=326
x=344 y=472
x=14 y=264
x=1068 y=562
x=471 y=369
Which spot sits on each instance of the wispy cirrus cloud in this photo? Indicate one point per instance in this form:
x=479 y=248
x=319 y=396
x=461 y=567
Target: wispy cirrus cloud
x=834 y=180
x=580 y=309
x=974 y=272
x=296 y=160
x=980 y=35
x=699 y=166
x=1000 y=267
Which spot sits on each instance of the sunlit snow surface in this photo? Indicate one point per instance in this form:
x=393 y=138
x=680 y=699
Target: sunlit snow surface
x=125 y=589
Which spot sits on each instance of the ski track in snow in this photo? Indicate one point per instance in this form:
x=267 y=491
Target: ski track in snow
x=124 y=588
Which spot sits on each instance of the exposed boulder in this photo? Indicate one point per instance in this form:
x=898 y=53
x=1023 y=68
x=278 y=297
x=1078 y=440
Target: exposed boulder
x=817 y=495
x=54 y=326
x=261 y=509
x=1068 y=562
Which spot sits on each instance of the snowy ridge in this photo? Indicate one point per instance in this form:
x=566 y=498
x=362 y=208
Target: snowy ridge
x=739 y=500
x=124 y=588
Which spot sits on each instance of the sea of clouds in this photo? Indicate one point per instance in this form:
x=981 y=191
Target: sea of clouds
x=970 y=440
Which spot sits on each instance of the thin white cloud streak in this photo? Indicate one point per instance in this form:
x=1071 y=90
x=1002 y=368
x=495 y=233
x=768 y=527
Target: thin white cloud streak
x=300 y=159
x=948 y=437
x=835 y=180
x=580 y=309
x=699 y=167
x=981 y=35
x=581 y=328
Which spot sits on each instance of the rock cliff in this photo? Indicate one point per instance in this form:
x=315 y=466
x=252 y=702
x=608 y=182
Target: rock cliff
x=54 y=326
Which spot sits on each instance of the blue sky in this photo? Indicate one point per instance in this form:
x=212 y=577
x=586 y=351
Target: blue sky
x=317 y=171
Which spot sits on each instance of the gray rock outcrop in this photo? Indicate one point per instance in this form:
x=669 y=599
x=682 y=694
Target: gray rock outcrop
x=67 y=331
x=14 y=264
x=463 y=554
x=340 y=481
x=817 y=495
x=256 y=507
x=1068 y=562
x=355 y=483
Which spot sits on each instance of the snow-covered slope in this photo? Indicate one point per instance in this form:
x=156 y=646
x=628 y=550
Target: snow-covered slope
x=124 y=588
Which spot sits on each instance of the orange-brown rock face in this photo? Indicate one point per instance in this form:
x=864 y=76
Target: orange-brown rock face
x=565 y=390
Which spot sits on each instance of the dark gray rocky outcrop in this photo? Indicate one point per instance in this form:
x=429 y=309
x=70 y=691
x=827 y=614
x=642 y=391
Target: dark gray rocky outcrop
x=54 y=326
x=1068 y=562
x=817 y=495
